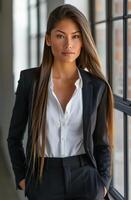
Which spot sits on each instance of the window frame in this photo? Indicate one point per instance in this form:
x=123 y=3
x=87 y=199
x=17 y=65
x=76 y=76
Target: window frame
x=38 y=34
x=121 y=103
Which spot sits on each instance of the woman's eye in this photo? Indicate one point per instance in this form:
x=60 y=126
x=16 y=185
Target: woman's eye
x=60 y=36
x=76 y=36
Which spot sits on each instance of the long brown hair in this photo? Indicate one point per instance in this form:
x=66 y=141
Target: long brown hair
x=88 y=59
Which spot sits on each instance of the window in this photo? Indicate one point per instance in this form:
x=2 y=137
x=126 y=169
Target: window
x=117 y=7
x=32 y=34
x=29 y=26
x=111 y=29
x=100 y=31
x=129 y=59
x=129 y=148
x=82 y=5
x=129 y=6
x=100 y=13
x=42 y=29
x=118 y=164
x=37 y=17
x=101 y=43
x=20 y=44
x=117 y=65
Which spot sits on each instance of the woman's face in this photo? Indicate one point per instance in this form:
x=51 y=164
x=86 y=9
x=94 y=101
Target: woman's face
x=65 y=41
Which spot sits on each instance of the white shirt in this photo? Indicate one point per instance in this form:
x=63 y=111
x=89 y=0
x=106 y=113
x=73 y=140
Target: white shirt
x=64 y=131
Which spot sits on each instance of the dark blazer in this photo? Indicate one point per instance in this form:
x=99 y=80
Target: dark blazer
x=96 y=142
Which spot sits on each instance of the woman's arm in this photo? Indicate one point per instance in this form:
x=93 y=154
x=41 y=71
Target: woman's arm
x=16 y=131
x=102 y=148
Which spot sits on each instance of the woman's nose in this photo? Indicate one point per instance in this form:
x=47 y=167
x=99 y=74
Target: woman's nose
x=68 y=43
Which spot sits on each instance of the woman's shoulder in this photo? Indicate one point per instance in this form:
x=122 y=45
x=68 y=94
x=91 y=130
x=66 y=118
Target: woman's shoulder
x=29 y=76
x=31 y=72
x=95 y=80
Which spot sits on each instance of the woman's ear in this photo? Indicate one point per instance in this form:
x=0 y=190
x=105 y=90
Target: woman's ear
x=48 y=40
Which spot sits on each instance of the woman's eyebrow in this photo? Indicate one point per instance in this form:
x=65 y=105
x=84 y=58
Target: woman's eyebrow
x=65 y=33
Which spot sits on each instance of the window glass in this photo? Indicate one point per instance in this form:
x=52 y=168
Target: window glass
x=33 y=20
x=20 y=35
x=82 y=5
x=118 y=163
x=100 y=10
x=33 y=52
x=129 y=148
x=117 y=7
x=41 y=40
x=43 y=17
x=101 y=44
x=118 y=57
x=129 y=6
x=42 y=0
x=129 y=60
x=32 y=2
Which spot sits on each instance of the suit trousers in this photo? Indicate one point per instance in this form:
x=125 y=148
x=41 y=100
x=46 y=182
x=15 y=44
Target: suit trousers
x=68 y=178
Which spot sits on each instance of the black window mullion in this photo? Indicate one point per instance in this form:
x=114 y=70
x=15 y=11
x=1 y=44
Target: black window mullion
x=125 y=79
x=92 y=17
x=29 y=43
x=38 y=32
x=125 y=138
x=108 y=40
x=123 y=106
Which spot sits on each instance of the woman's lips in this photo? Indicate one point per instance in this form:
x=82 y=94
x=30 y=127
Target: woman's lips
x=67 y=53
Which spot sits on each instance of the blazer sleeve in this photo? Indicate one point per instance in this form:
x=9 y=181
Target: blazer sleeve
x=102 y=148
x=16 y=131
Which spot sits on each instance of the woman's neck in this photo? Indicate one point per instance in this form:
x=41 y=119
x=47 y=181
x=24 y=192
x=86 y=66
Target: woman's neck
x=64 y=71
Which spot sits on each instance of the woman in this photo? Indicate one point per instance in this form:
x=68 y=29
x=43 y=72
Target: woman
x=68 y=105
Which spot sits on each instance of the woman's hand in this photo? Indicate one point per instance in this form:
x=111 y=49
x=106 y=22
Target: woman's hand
x=105 y=191
x=22 y=184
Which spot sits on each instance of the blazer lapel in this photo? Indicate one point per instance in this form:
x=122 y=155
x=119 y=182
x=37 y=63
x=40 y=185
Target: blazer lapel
x=87 y=92
x=87 y=99
x=87 y=95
